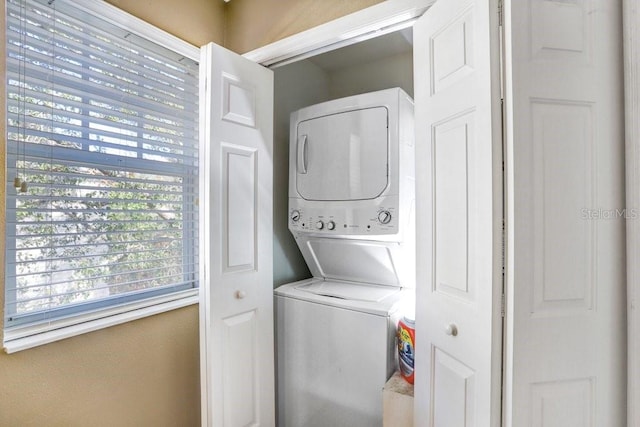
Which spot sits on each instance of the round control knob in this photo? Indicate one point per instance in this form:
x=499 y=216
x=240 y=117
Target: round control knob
x=295 y=215
x=319 y=225
x=384 y=217
x=331 y=225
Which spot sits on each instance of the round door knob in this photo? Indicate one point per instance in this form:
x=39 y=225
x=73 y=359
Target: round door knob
x=295 y=215
x=240 y=294
x=319 y=225
x=331 y=225
x=384 y=217
x=451 y=329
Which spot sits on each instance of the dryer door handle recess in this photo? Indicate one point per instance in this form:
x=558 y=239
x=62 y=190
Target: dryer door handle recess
x=302 y=154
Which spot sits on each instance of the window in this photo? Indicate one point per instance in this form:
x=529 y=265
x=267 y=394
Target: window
x=102 y=172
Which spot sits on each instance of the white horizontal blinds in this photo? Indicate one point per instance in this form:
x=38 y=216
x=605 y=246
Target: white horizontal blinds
x=102 y=126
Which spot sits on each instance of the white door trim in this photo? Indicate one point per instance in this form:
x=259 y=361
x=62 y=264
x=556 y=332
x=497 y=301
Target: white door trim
x=631 y=37
x=382 y=18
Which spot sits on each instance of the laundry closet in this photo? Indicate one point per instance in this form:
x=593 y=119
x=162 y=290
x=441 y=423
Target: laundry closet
x=349 y=154
x=519 y=294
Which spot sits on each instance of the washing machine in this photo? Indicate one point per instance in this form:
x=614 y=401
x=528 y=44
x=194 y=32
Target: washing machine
x=336 y=350
x=351 y=212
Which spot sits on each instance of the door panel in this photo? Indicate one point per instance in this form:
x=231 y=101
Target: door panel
x=452 y=141
x=565 y=360
x=343 y=156
x=456 y=390
x=236 y=306
x=239 y=208
x=459 y=212
x=239 y=367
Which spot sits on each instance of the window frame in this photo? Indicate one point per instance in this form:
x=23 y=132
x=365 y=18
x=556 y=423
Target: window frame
x=26 y=336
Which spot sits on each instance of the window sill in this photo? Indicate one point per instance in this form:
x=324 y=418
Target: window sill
x=32 y=336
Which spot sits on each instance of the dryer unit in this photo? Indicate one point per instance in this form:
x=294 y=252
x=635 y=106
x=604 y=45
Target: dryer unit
x=351 y=188
x=351 y=202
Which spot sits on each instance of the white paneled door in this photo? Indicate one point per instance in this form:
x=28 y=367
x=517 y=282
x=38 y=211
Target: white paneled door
x=236 y=305
x=459 y=215
x=565 y=335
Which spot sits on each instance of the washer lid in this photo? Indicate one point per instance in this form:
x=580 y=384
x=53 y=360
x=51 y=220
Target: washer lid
x=351 y=291
x=359 y=261
x=362 y=297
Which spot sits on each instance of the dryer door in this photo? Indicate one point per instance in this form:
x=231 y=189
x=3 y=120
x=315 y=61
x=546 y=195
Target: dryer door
x=343 y=156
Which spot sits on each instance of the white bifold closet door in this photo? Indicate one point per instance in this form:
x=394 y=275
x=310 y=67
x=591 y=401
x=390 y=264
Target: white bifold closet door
x=236 y=278
x=459 y=215
x=565 y=332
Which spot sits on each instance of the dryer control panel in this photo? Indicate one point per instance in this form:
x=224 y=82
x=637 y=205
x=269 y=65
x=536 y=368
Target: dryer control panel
x=383 y=220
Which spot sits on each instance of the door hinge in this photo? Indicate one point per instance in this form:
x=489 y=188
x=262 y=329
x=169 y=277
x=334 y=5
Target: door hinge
x=502 y=297
x=503 y=249
x=500 y=13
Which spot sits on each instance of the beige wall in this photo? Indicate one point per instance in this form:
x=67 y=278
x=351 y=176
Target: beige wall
x=196 y=21
x=142 y=373
x=254 y=23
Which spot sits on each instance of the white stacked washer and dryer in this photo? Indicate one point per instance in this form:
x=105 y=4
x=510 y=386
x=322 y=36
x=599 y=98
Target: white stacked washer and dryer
x=351 y=211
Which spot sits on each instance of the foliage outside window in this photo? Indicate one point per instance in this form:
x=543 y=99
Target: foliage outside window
x=102 y=148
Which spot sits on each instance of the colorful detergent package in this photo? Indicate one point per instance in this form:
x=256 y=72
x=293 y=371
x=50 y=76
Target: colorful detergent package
x=406 y=344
